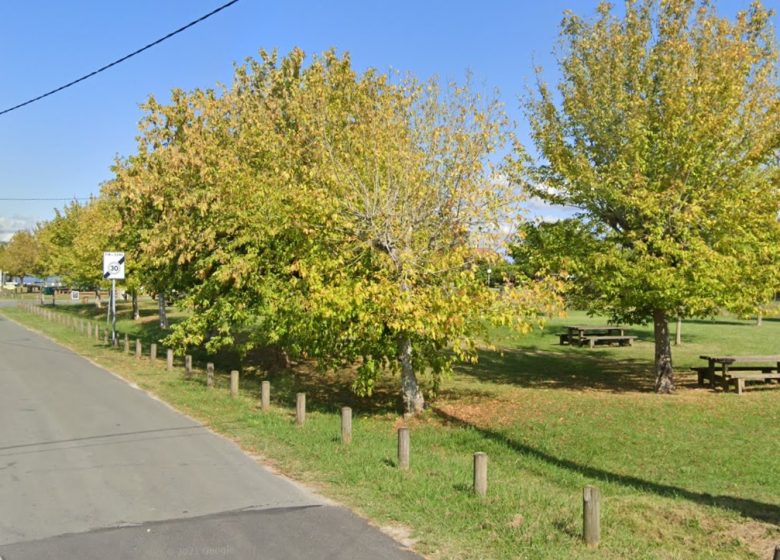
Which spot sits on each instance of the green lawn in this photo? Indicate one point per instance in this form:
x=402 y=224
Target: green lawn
x=692 y=475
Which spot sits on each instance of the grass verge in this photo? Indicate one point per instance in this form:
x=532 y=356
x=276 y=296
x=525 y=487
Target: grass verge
x=687 y=476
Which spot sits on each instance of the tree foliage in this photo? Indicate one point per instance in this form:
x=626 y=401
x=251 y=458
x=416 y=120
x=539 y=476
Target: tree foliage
x=336 y=215
x=72 y=243
x=22 y=254
x=664 y=134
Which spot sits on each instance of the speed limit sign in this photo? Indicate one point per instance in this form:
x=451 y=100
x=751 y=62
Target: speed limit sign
x=114 y=266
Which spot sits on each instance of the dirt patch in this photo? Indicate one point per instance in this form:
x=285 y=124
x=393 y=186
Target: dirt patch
x=759 y=538
x=399 y=533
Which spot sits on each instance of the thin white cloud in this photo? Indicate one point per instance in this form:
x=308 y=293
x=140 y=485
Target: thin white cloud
x=11 y=224
x=536 y=209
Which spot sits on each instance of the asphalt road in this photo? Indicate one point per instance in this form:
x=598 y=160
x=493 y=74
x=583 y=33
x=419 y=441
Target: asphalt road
x=92 y=468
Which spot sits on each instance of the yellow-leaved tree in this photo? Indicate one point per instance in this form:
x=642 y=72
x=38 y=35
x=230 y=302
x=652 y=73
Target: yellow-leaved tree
x=664 y=134
x=336 y=215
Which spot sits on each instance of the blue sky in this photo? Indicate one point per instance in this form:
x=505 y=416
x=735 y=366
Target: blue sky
x=63 y=146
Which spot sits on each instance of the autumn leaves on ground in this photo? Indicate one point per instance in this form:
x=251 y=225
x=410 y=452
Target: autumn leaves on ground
x=688 y=476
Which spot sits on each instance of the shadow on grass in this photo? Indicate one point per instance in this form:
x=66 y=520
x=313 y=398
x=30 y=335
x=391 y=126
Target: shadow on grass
x=568 y=369
x=325 y=391
x=721 y=321
x=760 y=511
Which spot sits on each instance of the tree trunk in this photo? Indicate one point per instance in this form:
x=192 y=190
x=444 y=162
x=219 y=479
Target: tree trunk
x=664 y=382
x=678 y=332
x=410 y=390
x=161 y=310
x=98 y=302
x=136 y=312
x=759 y=319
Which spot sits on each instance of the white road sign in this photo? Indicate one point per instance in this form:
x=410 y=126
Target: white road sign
x=114 y=266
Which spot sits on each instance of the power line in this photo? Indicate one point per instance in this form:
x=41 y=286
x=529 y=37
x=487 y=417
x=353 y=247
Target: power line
x=107 y=66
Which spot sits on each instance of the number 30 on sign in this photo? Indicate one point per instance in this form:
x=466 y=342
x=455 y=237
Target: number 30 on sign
x=114 y=266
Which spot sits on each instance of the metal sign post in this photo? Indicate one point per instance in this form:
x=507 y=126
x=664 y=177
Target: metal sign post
x=114 y=341
x=113 y=269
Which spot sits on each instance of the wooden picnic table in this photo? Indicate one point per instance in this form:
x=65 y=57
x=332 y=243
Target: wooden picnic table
x=591 y=334
x=739 y=369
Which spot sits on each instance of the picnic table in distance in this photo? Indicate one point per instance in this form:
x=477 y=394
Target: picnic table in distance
x=722 y=370
x=581 y=335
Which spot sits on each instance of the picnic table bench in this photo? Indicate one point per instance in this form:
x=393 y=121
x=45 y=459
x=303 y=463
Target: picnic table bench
x=591 y=335
x=754 y=368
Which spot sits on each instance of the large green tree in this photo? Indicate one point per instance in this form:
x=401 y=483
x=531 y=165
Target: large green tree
x=22 y=254
x=74 y=240
x=664 y=134
x=336 y=215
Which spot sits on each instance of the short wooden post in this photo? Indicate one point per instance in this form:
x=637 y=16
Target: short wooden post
x=403 y=448
x=105 y=337
x=97 y=333
x=153 y=351
x=188 y=365
x=169 y=360
x=89 y=330
x=591 y=516
x=777 y=553
x=300 y=409
x=234 y=383
x=265 y=395
x=127 y=344
x=480 y=474
x=138 y=348
x=209 y=375
x=346 y=425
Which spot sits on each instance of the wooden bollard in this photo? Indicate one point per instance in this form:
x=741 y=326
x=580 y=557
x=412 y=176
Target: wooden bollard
x=97 y=333
x=480 y=474
x=188 y=365
x=105 y=337
x=234 y=383
x=209 y=375
x=89 y=330
x=153 y=351
x=346 y=425
x=265 y=395
x=138 y=348
x=404 y=445
x=591 y=516
x=127 y=344
x=169 y=360
x=300 y=409
x=777 y=553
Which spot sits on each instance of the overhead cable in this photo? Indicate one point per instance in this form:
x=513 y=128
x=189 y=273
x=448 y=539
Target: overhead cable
x=119 y=60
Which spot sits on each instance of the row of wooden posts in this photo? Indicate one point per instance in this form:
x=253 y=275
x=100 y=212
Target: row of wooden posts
x=591 y=497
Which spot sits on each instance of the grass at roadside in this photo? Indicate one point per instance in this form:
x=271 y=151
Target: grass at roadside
x=687 y=476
